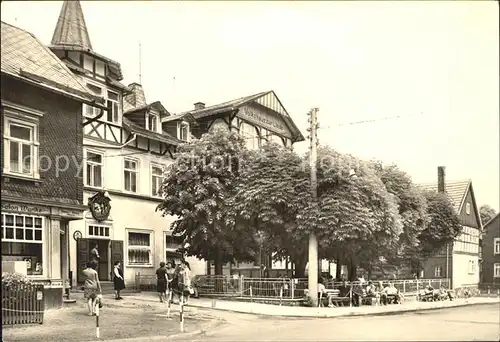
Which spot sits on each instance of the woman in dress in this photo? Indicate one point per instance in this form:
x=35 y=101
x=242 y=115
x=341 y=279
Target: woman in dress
x=161 y=281
x=186 y=280
x=91 y=286
x=118 y=281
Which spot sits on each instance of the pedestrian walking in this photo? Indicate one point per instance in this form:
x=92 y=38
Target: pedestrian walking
x=161 y=282
x=118 y=281
x=91 y=286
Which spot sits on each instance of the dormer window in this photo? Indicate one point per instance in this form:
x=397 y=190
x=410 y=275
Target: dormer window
x=152 y=122
x=183 y=131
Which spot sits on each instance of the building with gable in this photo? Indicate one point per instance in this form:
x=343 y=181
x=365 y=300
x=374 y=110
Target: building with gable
x=459 y=261
x=125 y=152
x=259 y=119
x=490 y=268
x=41 y=159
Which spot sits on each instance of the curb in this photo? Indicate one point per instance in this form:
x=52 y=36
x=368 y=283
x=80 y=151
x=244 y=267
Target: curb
x=204 y=329
x=350 y=314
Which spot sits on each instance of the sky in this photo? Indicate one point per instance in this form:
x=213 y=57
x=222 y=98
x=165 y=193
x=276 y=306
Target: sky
x=433 y=67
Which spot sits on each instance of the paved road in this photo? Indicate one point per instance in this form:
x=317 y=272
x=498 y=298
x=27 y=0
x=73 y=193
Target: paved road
x=472 y=323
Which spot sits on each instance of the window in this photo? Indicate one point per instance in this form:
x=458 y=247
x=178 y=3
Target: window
x=156 y=179
x=472 y=267
x=21 y=148
x=88 y=63
x=184 y=131
x=22 y=240
x=113 y=107
x=139 y=248
x=152 y=122
x=100 y=68
x=438 y=270
x=98 y=231
x=467 y=208
x=94 y=162
x=275 y=139
x=496 y=246
x=89 y=110
x=172 y=243
x=249 y=134
x=496 y=270
x=130 y=174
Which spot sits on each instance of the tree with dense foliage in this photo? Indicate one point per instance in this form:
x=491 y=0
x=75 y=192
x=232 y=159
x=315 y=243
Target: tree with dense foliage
x=355 y=218
x=273 y=189
x=443 y=227
x=487 y=213
x=198 y=190
x=412 y=206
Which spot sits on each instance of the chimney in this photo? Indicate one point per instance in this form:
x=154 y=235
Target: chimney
x=199 y=105
x=441 y=179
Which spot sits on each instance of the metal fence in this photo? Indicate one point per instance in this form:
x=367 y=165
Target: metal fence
x=276 y=288
x=22 y=304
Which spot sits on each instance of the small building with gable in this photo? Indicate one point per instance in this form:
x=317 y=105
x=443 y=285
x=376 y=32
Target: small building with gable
x=459 y=261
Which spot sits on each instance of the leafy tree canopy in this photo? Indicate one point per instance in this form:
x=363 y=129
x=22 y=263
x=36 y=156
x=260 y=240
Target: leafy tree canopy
x=444 y=225
x=198 y=189
x=487 y=213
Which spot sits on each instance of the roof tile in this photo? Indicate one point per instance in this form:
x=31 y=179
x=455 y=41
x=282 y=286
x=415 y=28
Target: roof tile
x=456 y=190
x=21 y=50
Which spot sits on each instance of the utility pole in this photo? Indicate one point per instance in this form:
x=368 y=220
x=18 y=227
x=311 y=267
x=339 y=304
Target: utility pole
x=313 y=242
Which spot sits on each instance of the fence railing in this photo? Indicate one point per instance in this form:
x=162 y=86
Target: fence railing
x=22 y=304
x=277 y=288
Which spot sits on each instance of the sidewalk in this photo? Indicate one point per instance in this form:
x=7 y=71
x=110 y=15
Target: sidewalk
x=297 y=311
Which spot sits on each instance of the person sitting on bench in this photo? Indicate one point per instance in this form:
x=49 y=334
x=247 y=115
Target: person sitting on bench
x=393 y=292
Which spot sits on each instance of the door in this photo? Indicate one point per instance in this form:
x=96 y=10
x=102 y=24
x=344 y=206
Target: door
x=103 y=269
x=117 y=253
x=82 y=257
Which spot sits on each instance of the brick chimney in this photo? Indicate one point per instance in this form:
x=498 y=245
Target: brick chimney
x=441 y=179
x=199 y=105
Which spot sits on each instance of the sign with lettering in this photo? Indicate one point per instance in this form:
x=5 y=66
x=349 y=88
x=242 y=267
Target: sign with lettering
x=26 y=209
x=264 y=120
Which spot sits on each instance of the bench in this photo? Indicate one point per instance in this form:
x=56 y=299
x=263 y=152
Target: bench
x=333 y=296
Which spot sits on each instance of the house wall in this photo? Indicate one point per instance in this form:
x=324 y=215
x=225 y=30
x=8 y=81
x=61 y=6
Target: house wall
x=463 y=275
x=60 y=135
x=130 y=212
x=53 y=198
x=491 y=231
x=469 y=219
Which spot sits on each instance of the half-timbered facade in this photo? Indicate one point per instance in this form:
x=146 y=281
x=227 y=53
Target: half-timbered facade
x=124 y=152
x=460 y=260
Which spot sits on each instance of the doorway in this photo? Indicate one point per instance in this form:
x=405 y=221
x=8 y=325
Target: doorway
x=103 y=248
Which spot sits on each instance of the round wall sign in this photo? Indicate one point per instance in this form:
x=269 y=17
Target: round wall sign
x=77 y=235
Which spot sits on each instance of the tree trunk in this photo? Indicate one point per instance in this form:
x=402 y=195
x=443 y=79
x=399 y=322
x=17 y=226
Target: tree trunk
x=300 y=267
x=209 y=267
x=218 y=262
x=352 y=271
x=338 y=270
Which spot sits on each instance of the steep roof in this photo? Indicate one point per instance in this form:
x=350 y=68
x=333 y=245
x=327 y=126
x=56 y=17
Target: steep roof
x=456 y=190
x=240 y=102
x=25 y=57
x=71 y=28
x=490 y=221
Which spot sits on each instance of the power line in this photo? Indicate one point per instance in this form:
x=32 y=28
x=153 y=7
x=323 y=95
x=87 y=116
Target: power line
x=371 y=121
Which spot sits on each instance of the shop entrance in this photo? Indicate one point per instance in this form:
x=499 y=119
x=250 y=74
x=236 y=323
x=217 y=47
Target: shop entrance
x=109 y=252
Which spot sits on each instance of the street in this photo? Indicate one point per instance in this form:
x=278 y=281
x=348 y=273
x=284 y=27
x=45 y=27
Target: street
x=472 y=323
